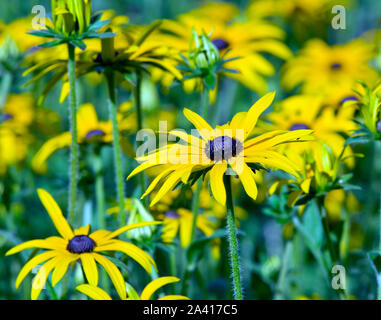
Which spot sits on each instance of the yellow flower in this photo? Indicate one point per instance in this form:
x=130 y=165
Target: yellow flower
x=217 y=149
x=13 y=149
x=338 y=200
x=246 y=40
x=17 y=31
x=323 y=69
x=77 y=245
x=18 y=112
x=97 y=293
x=292 y=9
x=90 y=130
x=308 y=112
x=180 y=222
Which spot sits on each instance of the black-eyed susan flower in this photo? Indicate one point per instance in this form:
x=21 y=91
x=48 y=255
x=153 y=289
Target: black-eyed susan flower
x=13 y=148
x=180 y=222
x=330 y=126
x=325 y=70
x=321 y=172
x=78 y=245
x=148 y=292
x=247 y=40
x=90 y=130
x=18 y=112
x=292 y=9
x=225 y=146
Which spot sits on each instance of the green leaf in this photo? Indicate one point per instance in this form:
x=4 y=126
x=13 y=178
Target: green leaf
x=78 y=43
x=196 y=248
x=51 y=44
x=103 y=35
x=42 y=33
x=312 y=223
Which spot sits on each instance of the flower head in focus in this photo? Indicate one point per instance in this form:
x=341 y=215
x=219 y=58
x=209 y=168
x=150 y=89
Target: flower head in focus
x=78 y=245
x=227 y=146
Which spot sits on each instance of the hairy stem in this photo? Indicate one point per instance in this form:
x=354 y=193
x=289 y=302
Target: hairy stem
x=74 y=163
x=233 y=241
x=110 y=79
x=139 y=114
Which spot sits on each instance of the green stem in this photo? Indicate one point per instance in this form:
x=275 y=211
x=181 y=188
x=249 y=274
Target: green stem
x=323 y=215
x=110 y=79
x=279 y=295
x=205 y=102
x=332 y=252
x=139 y=114
x=233 y=241
x=51 y=290
x=195 y=208
x=99 y=190
x=73 y=106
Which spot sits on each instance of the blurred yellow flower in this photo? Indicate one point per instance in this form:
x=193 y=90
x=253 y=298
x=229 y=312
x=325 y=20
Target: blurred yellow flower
x=309 y=112
x=18 y=112
x=13 y=149
x=323 y=69
x=247 y=40
x=90 y=130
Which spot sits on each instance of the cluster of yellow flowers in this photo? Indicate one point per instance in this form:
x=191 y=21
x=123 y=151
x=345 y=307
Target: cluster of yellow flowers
x=303 y=135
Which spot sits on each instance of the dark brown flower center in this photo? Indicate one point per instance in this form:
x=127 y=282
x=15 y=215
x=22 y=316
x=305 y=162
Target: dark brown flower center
x=172 y=214
x=81 y=244
x=94 y=133
x=5 y=117
x=336 y=66
x=220 y=44
x=223 y=147
x=298 y=126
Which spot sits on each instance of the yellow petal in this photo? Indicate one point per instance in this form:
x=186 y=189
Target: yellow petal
x=186 y=229
x=90 y=268
x=39 y=280
x=99 y=236
x=32 y=263
x=55 y=214
x=43 y=244
x=93 y=292
x=129 y=227
x=114 y=274
x=170 y=182
x=256 y=110
x=305 y=185
x=217 y=183
x=247 y=178
x=61 y=268
x=49 y=147
x=293 y=197
x=131 y=250
x=170 y=229
x=174 y=297
x=200 y=124
x=82 y=230
x=64 y=91
x=154 y=285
